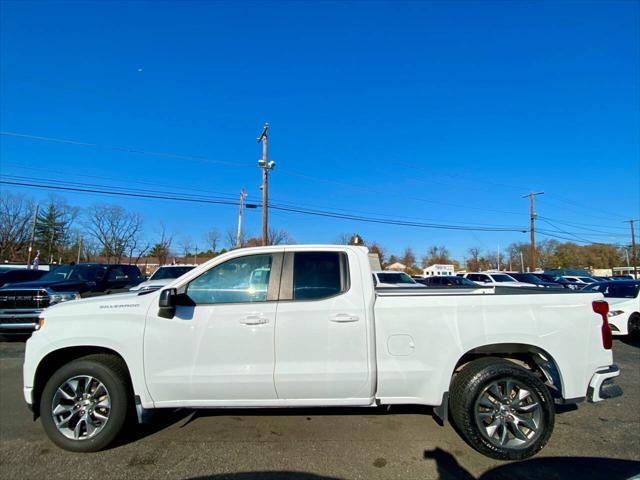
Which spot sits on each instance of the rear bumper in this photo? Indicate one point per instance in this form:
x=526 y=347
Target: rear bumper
x=601 y=386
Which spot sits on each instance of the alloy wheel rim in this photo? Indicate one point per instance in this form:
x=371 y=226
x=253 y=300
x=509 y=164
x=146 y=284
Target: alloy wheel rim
x=509 y=414
x=81 y=407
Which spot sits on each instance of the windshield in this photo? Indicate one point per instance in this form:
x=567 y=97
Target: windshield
x=526 y=277
x=502 y=278
x=616 y=289
x=588 y=279
x=82 y=273
x=164 y=273
x=395 y=278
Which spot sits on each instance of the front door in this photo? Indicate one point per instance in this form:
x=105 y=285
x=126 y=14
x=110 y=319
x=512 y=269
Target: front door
x=219 y=347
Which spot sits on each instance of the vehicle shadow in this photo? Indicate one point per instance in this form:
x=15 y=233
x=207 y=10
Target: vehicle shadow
x=543 y=468
x=160 y=419
x=629 y=340
x=310 y=411
x=448 y=468
x=157 y=420
x=265 y=475
x=154 y=421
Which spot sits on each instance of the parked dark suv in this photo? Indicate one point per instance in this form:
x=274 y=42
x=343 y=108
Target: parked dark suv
x=9 y=276
x=21 y=303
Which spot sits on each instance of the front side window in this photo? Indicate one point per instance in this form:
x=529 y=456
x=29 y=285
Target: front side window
x=241 y=280
x=317 y=275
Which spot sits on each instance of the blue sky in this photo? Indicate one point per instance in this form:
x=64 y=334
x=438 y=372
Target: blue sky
x=431 y=111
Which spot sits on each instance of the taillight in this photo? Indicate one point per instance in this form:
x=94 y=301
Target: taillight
x=602 y=309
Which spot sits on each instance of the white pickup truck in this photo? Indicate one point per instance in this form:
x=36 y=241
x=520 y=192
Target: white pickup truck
x=301 y=326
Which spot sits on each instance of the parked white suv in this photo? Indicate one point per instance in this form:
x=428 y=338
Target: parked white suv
x=495 y=279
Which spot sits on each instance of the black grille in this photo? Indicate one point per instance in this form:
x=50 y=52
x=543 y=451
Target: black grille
x=18 y=299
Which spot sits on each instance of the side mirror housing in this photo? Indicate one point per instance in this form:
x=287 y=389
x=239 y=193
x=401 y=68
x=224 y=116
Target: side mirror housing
x=167 y=303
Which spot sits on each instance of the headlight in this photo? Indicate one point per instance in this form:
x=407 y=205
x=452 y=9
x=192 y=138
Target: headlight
x=613 y=313
x=59 y=297
x=40 y=323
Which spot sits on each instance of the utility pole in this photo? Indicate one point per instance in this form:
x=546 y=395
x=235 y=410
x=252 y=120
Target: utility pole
x=521 y=262
x=634 y=257
x=33 y=234
x=498 y=259
x=266 y=166
x=239 y=235
x=80 y=250
x=532 y=216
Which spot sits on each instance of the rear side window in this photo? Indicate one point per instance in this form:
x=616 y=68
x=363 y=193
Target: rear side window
x=132 y=272
x=116 y=274
x=318 y=275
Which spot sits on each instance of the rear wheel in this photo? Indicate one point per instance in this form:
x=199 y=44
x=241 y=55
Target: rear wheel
x=84 y=404
x=501 y=409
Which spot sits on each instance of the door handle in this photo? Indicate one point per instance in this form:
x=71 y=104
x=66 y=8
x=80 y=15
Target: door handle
x=254 y=319
x=344 y=318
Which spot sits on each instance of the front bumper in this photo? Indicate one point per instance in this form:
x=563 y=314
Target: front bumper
x=18 y=321
x=601 y=386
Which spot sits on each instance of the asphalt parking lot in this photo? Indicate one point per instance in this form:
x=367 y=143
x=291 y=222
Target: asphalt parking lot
x=592 y=442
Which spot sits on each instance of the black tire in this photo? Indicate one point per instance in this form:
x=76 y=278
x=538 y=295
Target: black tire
x=112 y=372
x=472 y=419
x=634 y=326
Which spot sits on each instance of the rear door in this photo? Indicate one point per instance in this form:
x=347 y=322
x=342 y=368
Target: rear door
x=321 y=346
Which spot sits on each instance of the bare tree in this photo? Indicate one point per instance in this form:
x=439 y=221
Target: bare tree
x=343 y=238
x=162 y=249
x=279 y=236
x=212 y=238
x=138 y=248
x=187 y=246
x=436 y=255
x=114 y=228
x=16 y=213
x=231 y=238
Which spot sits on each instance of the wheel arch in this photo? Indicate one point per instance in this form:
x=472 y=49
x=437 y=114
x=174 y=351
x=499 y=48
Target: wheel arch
x=530 y=356
x=57 y=358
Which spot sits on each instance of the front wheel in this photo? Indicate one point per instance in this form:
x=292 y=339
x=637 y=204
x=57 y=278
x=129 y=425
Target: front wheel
x=501 y=409
x=634 y=325
x=84 y=404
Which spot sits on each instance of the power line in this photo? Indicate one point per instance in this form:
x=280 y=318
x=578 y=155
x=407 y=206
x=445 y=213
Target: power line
x=237 y=164
x=584 y=225
x=222 y=195
x=565 y=232
x=104 y=190
x=553 y=234
x=122 y=149
x=578 y=210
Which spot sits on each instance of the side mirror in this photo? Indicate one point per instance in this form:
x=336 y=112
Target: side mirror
x=167 y=303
